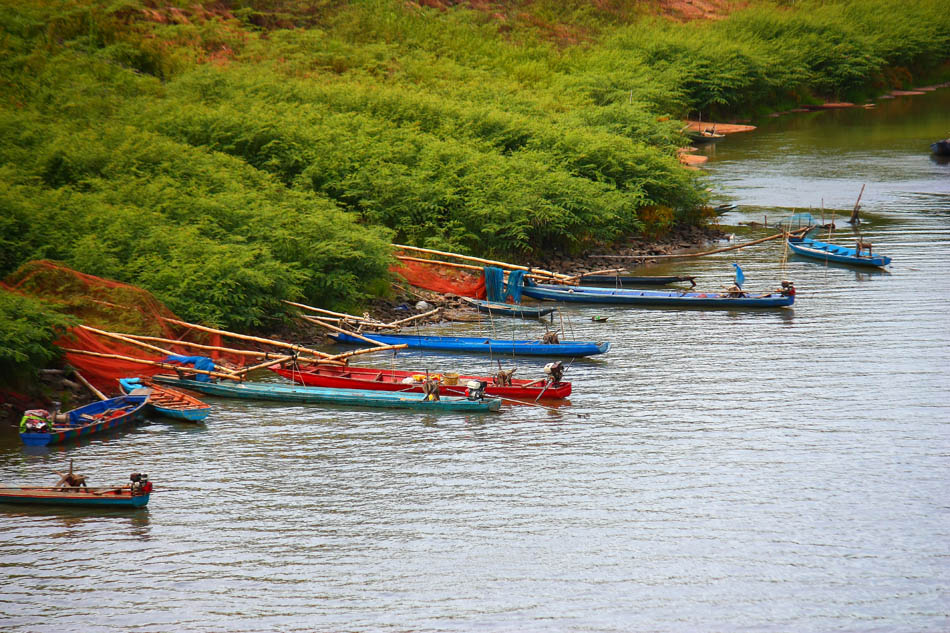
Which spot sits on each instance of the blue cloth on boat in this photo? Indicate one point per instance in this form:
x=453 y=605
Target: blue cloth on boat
x=200 y=362
x=740 y=277
x=495 y=288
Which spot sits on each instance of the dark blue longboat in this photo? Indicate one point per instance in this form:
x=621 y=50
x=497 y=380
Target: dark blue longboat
x=105 y=415
x=624 y=296
x=509 y=309
x=482 y=345
x=814 y=249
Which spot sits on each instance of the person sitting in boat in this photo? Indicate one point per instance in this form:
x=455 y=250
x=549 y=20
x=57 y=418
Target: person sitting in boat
x=735 y=292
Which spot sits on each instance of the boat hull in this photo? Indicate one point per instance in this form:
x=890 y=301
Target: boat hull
x=391 y=380
x=832 y=253
x=509 y=309
x=46 y=496
x=136 y=411
x=626 y=280
x=318 y=395
x=482 y=345
x=586 y=294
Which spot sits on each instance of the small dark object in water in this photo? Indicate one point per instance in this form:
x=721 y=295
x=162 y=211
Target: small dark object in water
x=941 y=148
x=599 y=319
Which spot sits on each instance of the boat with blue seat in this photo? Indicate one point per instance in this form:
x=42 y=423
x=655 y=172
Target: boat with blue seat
x=814 y=249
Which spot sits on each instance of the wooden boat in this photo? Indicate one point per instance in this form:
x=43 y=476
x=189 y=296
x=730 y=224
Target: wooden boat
x=704 y=136
x=941 y=148
x=630 y=281
x=72 y=490
x=508 y=309
x=168 y=402
x=106 y=415
x=335 y=377
x=832 y=253
x=482 y=345
x=318 y=395
x=587 y=294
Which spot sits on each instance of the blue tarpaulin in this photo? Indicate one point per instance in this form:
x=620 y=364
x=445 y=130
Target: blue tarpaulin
x=200 y=362
x=740 y=277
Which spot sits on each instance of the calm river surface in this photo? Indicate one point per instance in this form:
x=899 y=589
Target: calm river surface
x=715 y=471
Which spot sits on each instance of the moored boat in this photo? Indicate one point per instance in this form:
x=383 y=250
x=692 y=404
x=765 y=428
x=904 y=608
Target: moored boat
x=38 y=427
x=632 y=281
x=508 y=309
x=482 y=345
x=833 y=253
x=168 y=402
x=625 y=296
x=72 y=490
x=332 y=376
x=280 y=392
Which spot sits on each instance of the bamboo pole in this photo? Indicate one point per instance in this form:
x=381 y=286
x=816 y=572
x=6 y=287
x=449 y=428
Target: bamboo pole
x=413 y=318
x=264 y=365
x=437 y=262
x=154 y=363
x=341 y=315
x=339 y=329
x=228 y=350
x=89 y=386
x=490 y=262
x=127 y=339
x=245 y=337
x=712 y=252
x=857 y=206
x=365 y=350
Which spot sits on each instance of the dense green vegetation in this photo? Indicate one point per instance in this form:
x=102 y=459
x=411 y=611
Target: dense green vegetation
x=236 y=153
x=28 y=328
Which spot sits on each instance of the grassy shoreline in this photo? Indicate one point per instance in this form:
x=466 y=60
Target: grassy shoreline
x=233 y=154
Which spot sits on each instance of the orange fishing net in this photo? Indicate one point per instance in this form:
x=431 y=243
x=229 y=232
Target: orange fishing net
x=442 y=279
x=115 y=307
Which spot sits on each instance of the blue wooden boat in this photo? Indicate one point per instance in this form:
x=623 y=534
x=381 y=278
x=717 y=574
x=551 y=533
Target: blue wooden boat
x=482 y=345
x=168 y=402
x=106 y=415
x=832 y=253
x=509 y=309
x=625 y=296
x=282 y=392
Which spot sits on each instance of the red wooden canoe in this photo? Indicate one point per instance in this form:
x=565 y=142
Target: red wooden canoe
x=392 y=380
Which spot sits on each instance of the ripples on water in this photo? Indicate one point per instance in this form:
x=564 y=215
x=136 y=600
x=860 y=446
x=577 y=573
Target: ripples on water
x=715 y=471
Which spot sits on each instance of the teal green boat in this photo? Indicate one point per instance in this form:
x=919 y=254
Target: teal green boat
x=281 y=392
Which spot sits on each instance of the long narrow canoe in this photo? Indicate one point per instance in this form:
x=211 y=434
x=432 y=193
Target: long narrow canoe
x=509 y=309
x=168 y=402
x=629 y=281
x=587 y=294
x=335 y=377
x=280 y=392
x=832 y=253
x=482 y=345
x=106 y=415
x=118 y=496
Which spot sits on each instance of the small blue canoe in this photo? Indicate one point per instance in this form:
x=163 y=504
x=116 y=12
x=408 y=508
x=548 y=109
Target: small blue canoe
x=120 y=496
x=482 y=345
x=281 y=392
x=168 y=402
x=106 y=415
x=622 y=296
x=508 y=309
x=832 y=253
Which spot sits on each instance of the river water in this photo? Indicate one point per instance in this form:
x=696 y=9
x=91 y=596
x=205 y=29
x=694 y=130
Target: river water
x=781 y=470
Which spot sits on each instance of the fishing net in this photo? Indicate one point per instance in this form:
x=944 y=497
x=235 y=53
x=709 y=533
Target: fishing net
x=115 y=307
x=442 y=279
